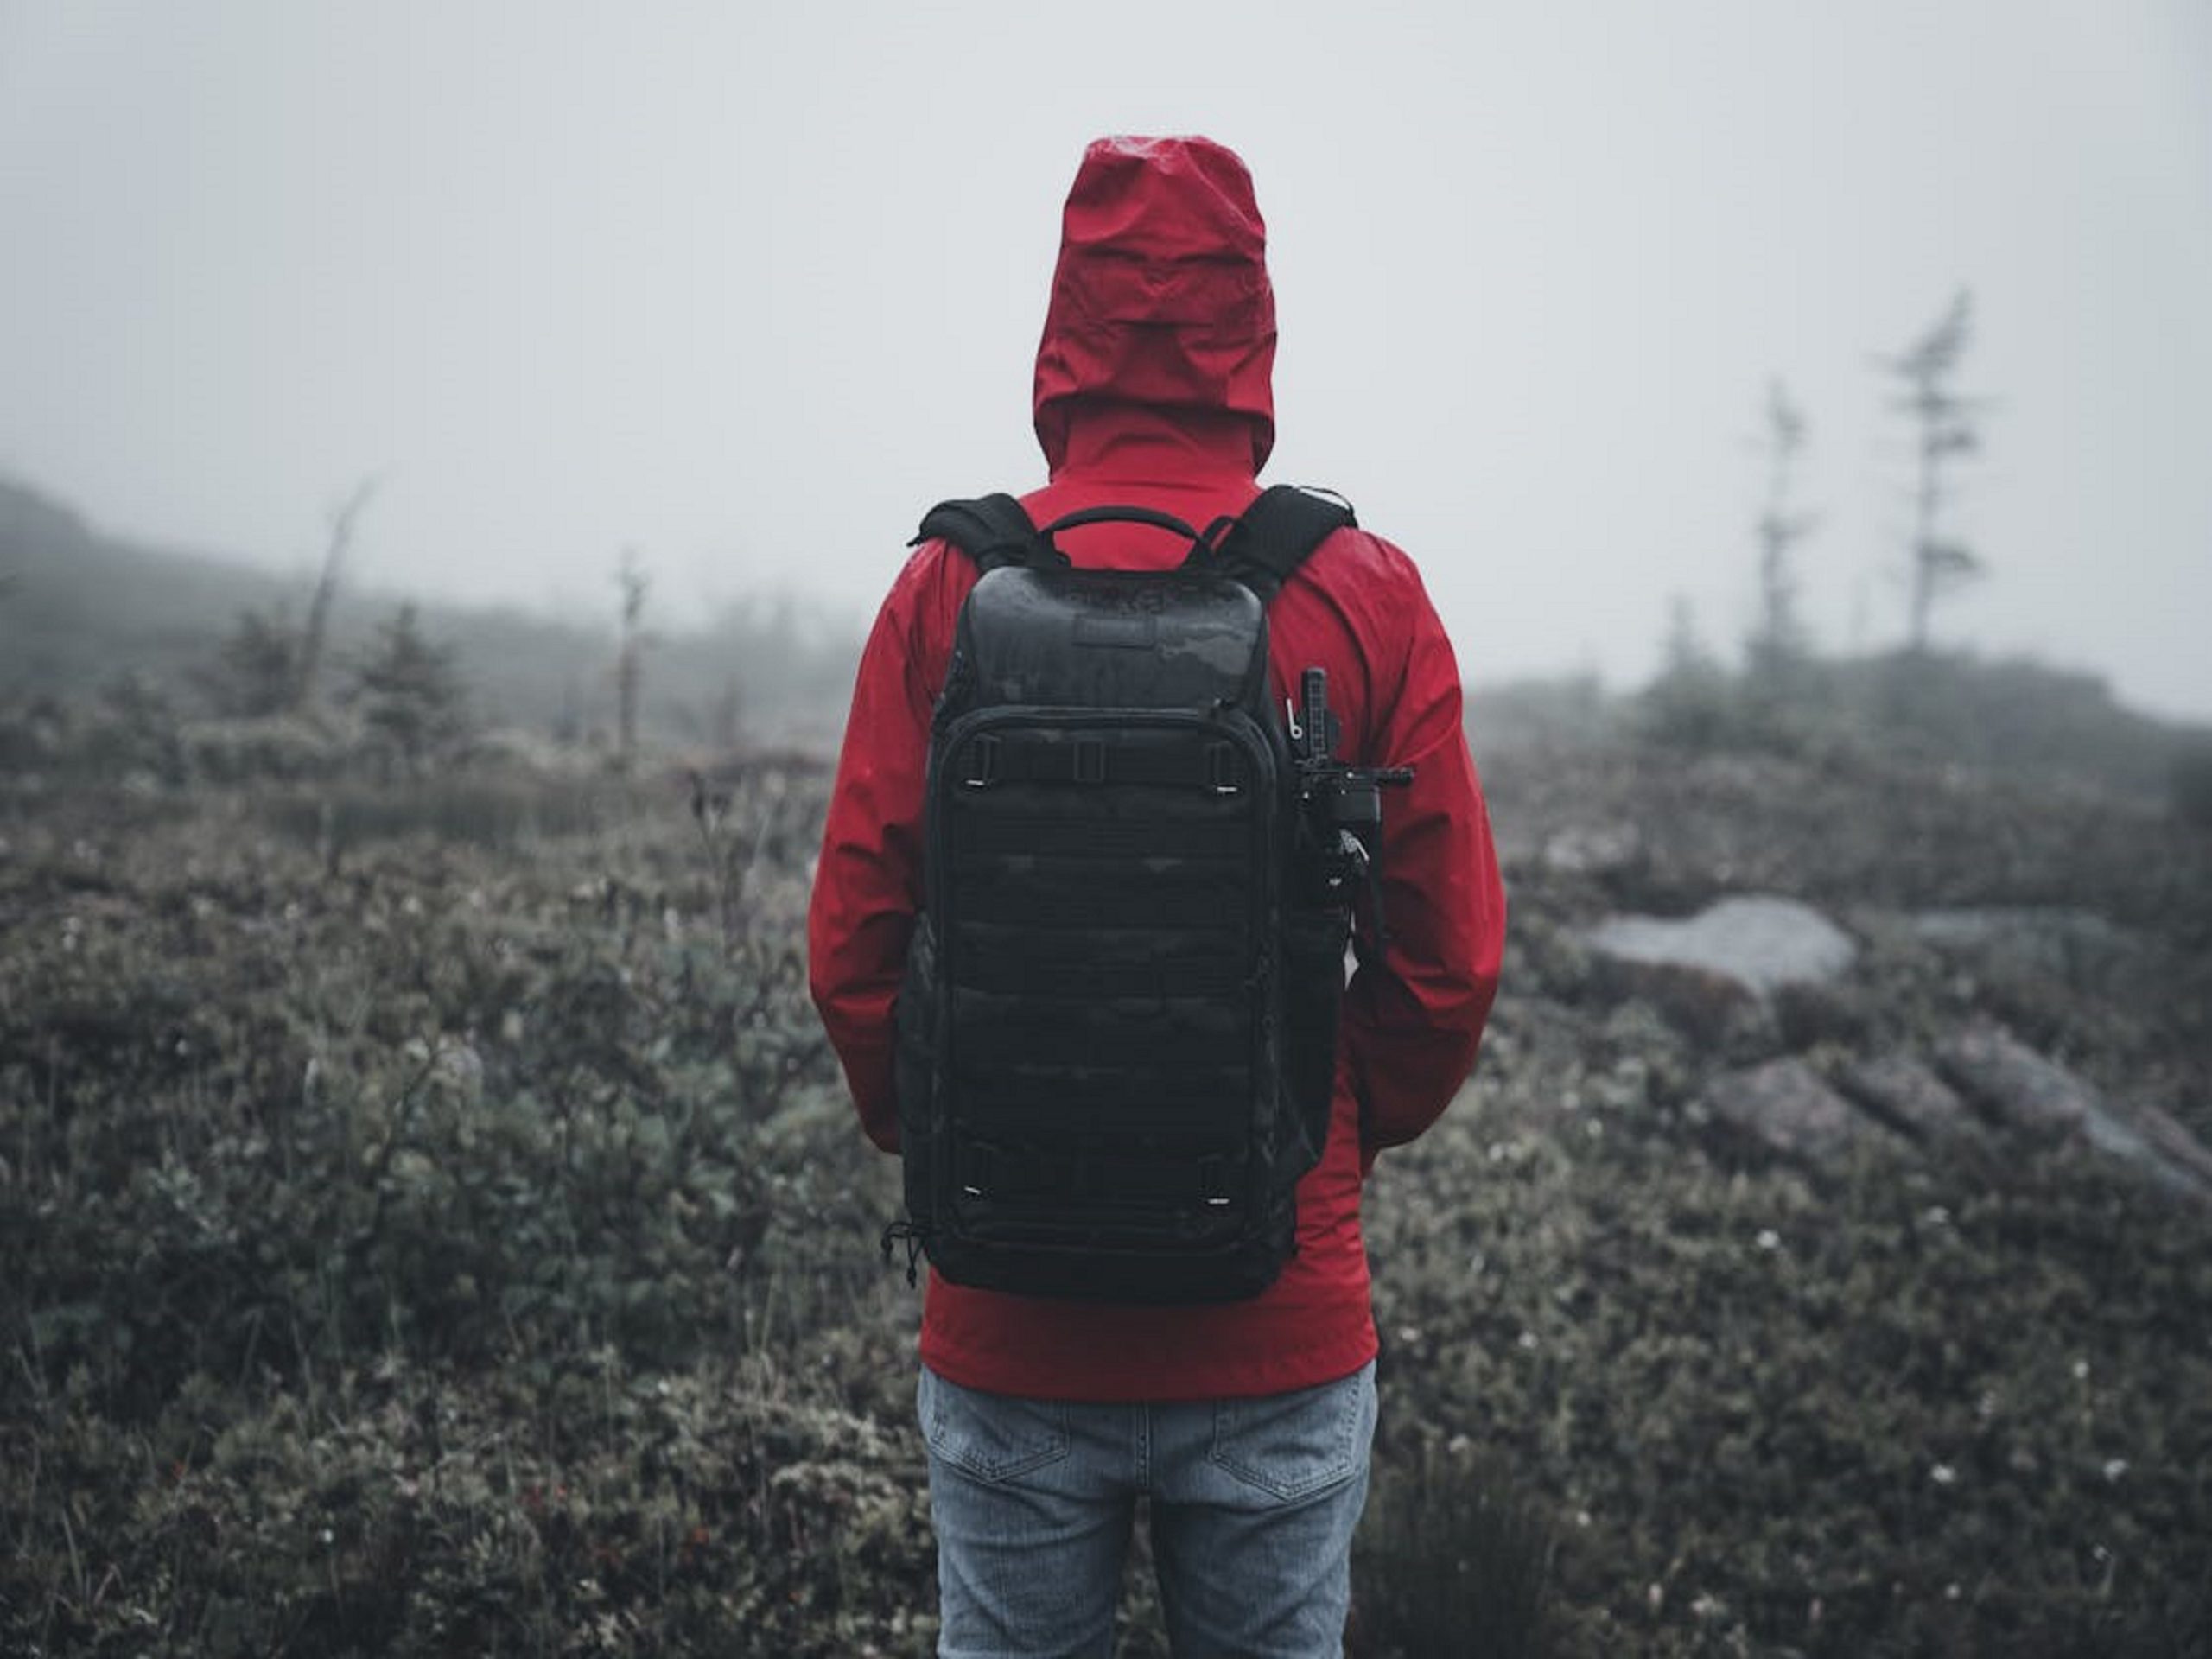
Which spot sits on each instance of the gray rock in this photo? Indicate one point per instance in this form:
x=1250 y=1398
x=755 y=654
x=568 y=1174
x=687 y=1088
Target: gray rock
x=1785 y=1107
x=2175 y=1143
x=1906 y=1095
x=2039 y=1098
x=2015 y=1087
x=1759 y=942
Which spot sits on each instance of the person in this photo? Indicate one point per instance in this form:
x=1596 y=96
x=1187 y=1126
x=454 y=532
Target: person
x=1244 y=1425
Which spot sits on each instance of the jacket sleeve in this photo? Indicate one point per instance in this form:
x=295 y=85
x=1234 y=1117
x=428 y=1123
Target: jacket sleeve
x=867 y=883
x=1412 y=1023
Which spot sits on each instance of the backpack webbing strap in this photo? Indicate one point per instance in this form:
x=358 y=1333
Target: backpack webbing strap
x=992 y=529
x=1275 y=534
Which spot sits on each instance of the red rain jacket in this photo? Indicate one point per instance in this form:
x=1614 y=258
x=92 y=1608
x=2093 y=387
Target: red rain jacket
x=1152 y=389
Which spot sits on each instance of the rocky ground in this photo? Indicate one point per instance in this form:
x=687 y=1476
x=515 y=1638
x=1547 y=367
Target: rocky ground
x=1827 y=1220
x=430 y=1221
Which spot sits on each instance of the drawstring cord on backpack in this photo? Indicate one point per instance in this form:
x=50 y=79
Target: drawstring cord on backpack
x=905 y=1232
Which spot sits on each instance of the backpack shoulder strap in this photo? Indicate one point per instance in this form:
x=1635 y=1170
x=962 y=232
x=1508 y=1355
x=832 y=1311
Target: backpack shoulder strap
x=992 y=529
x=1276 y=533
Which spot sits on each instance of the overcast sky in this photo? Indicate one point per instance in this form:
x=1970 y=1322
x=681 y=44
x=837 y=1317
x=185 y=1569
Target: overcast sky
x=750 y=287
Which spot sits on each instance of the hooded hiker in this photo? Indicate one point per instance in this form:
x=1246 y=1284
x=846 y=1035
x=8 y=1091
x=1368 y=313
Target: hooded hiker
x=1129 y=761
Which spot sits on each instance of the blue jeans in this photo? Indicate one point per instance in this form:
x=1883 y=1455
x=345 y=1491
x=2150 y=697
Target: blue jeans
x=1253 y=1504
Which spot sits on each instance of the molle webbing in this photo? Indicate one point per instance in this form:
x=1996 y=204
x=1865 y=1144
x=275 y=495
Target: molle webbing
x=1093 y=1090
x=1101 y=757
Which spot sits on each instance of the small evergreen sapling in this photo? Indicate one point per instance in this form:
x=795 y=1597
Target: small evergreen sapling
x=411 y=695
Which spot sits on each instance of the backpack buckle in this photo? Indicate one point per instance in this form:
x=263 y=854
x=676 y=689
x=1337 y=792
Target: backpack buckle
x=1213 y=1179
x=982 y=762
x=1222 y=761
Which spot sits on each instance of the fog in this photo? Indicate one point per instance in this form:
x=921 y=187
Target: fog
x=748 y=290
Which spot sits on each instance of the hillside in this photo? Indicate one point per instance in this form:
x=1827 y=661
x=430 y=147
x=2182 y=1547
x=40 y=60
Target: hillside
x=80 y=610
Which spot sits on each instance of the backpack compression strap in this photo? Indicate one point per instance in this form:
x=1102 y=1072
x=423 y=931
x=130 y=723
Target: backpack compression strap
x=1275 y=534
x=992 y=529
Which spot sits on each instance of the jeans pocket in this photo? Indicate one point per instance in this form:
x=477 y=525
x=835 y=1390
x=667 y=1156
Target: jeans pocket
x=989 y=1437
x=1291 y=1445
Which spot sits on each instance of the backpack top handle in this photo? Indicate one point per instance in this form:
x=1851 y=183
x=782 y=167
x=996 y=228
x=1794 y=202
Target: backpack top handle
x=1202 y=543
x=1259 y=549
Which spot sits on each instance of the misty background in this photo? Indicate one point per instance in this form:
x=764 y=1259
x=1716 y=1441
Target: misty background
x=745 y=289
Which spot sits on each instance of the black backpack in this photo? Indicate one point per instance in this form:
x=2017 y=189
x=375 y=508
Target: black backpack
x=1116 y=1035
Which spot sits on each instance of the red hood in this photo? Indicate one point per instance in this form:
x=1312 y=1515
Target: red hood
x=1161 y=296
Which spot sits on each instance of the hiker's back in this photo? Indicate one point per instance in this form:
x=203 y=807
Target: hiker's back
x=1247 y=1420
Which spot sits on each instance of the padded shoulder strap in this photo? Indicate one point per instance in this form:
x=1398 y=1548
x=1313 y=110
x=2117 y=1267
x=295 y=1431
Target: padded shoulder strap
x=1275 y=534
x=992 y=529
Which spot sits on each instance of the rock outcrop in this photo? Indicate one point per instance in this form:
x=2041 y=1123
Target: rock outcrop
x=2039 y=1099
x=1910 y=1096
x=1986 y=1088
x=1759 y=942
x=1786 y=1107
x=2015 y=1086
x=1728 y=969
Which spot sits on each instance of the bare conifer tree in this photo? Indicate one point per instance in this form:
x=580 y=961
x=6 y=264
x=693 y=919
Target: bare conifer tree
x=1777 y=644
x=629 y=661
x=343 y=518
x=1946 y=431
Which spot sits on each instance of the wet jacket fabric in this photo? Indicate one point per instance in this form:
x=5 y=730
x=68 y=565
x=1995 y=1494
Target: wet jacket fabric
x=1152 y=389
